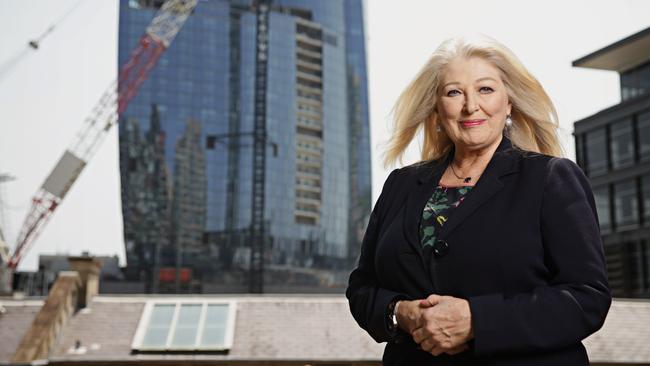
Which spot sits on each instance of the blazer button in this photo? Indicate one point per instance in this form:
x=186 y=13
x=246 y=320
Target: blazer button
x=440 y=248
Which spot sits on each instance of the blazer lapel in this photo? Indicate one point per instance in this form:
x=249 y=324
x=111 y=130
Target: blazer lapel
x=487 y=186
x=428 y=176
x=502 y=163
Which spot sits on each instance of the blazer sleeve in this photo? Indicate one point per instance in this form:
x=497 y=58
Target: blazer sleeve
x=368 y=301
x=575 y=302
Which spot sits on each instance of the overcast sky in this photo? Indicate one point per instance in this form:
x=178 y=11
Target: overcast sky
x=46 y=94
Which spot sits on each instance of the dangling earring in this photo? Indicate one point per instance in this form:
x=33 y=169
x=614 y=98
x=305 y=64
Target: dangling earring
x=438 y=129
x=508 y=121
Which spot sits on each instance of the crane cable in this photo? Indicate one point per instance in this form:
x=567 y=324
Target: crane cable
x=33 y=45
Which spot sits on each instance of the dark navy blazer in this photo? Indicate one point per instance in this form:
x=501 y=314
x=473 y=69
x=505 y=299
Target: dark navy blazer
x=524 y=248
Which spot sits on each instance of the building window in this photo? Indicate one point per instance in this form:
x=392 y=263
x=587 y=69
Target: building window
x=644 y=79
x=622 y=144
x=580 y=159
x=596 y=152
x=628 y=85
x=330 y=39
x=645 y=196
x=210 y=142
x=643 y=128
x=636 y=267
x=601 y=196
x=616 y=271
x=635 y=82
x=645 y=248
x=173 y=325
x=625 y=204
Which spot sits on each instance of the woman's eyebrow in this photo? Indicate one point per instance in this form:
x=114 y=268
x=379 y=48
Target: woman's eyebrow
x=477 y=80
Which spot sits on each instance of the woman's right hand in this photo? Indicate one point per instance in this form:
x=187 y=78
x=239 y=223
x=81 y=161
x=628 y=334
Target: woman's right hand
x=409 y=312
x=409 y=315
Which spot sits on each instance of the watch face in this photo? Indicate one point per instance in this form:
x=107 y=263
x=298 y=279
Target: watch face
x=392 y=317
x=393 y=322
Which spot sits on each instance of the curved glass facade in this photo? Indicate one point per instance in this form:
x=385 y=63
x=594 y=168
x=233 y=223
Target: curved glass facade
x=187 y=157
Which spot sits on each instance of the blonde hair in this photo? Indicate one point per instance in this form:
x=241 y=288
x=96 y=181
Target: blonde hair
x=535 y=121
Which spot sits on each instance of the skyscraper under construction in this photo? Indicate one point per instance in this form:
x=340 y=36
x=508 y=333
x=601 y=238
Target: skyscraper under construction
x=245 y=157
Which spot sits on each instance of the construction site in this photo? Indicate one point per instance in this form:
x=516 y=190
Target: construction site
x=204 y=200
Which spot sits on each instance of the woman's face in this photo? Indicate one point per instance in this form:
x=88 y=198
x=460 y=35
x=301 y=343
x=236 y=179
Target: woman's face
x=473 y=103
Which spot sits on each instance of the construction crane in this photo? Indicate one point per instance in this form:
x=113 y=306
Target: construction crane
x=4 y=178
x=258 y=230
x=5 y=275
x=158 y=36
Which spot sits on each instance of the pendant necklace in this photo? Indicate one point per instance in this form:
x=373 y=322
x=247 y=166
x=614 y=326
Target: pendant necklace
x=464 y=179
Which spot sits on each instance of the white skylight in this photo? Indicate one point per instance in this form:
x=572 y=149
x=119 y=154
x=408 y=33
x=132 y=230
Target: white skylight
x=186 y=325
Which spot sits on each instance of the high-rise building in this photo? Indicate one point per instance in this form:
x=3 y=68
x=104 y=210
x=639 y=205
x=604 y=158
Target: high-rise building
x=613 y=148
x=257 y=105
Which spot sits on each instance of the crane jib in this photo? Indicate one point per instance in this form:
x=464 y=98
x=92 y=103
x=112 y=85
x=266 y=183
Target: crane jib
x=158 y=36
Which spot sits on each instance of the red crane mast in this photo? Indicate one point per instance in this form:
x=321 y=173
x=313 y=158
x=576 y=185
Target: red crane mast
x=158 y=36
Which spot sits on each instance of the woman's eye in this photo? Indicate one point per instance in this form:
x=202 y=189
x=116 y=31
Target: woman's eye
x=484 y=89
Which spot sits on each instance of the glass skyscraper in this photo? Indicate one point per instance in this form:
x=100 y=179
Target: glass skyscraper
x=187 y=147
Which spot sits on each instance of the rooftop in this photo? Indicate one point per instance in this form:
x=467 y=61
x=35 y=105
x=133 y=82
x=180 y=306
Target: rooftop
x=620 y=56
x=16 y=316
x=275 y=327
x=266 y=328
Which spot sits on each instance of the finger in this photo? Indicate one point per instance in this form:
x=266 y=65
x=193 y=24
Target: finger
x=436 y=351
x=427 y=345
x=434 y=299
x=458 y=349
x=419 y=335
x=424 y=303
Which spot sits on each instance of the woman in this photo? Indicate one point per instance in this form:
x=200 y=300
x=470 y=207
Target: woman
x=487 y=252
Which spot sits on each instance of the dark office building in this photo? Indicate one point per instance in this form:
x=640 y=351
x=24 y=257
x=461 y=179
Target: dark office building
x=191 y=169
x=613 y=148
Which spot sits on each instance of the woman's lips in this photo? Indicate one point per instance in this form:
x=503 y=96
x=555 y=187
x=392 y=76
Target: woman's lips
x=472 y=122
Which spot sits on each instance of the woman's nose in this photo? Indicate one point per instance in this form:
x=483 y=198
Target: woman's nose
x=471 y=103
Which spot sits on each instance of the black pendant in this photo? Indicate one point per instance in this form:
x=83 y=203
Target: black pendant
x=467 y=179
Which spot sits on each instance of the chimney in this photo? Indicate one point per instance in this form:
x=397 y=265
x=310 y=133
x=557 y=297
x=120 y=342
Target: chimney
x=88 y=269
x=51 y=318
x=71 y=290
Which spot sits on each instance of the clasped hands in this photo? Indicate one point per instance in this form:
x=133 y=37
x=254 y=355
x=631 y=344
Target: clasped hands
x=439 y=324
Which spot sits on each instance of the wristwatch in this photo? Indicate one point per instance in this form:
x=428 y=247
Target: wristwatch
x=392 y=316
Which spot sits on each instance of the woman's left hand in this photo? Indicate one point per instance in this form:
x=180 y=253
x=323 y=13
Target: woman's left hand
x=444 y=327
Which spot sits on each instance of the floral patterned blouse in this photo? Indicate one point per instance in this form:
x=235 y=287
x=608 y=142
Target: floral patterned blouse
x=437 y=210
